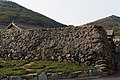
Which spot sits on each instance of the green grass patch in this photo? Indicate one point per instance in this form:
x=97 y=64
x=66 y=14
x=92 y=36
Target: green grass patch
x=23 y=67
x=12 y=72
x=13 y=63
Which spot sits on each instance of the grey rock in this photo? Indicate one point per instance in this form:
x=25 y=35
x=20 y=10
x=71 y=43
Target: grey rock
x=52 y=76
x=15 y=78
x=42 y=76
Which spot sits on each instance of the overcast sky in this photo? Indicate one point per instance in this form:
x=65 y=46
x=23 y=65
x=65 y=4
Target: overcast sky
x=73 y=12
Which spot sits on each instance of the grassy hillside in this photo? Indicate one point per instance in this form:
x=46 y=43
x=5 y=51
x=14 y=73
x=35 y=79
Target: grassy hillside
x=10 y=11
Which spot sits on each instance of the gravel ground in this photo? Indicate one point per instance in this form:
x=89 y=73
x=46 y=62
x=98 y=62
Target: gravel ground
x=116 y=76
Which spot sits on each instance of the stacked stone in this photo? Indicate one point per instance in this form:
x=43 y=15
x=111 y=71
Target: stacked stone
x=85 y=45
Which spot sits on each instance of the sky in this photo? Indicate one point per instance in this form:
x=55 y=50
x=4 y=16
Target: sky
x=73 y=12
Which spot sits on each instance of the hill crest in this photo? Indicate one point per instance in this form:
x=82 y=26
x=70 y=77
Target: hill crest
x=110 y=21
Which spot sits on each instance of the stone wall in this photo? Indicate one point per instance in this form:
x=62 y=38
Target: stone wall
x=87 y=45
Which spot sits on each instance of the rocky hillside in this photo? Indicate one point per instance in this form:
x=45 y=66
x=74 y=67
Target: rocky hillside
x=111 y=22
x=10 y=11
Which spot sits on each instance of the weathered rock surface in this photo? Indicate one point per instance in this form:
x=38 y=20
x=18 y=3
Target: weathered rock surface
x=87 y=45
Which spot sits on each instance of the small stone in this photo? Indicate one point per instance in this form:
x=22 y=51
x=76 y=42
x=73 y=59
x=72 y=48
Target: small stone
x=82 y=60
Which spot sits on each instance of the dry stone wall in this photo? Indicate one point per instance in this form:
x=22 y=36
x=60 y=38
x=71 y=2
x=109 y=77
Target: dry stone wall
x=85 y=45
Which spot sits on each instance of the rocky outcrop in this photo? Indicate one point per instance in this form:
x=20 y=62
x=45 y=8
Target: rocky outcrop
x=85 y=45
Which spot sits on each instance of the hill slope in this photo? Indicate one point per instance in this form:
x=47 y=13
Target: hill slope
x=111 y=22
x=10 y=11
